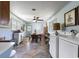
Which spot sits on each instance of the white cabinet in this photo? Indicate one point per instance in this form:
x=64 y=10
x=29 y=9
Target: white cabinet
x=67 y=49
x=18 y=38
x=53 y=49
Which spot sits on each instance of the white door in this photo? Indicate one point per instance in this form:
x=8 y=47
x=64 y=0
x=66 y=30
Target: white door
x=53 y=46
x=67 y=49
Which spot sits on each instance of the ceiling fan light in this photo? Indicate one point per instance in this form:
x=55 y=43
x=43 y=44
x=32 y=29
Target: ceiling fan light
x=34 y=20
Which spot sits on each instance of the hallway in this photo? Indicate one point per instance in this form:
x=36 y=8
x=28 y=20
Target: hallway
x=31 y=50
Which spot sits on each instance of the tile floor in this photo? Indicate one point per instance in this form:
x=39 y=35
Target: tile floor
x=32 y=50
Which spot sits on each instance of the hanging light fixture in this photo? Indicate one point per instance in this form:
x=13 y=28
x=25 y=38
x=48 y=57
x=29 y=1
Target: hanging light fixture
x=33 y=9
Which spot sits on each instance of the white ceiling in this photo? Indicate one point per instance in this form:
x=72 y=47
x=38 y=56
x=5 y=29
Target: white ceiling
x=44 y=9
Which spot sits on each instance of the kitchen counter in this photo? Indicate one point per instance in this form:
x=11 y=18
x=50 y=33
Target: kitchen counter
x=5 y=46
x=71 y=39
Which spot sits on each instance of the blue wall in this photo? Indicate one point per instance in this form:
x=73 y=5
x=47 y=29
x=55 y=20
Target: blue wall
x=60 y=15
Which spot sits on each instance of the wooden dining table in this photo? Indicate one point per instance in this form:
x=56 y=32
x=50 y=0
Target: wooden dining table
x=36 y=37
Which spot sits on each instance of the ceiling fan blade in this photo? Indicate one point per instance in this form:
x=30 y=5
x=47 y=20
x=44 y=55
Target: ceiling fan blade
x=39 y=20
x=34 y=19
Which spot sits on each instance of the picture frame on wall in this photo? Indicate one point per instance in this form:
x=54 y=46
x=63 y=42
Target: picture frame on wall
x=70 y=18
x=77 y=15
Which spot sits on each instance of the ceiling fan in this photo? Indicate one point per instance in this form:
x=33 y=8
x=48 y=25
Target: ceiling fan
x=37 y=19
